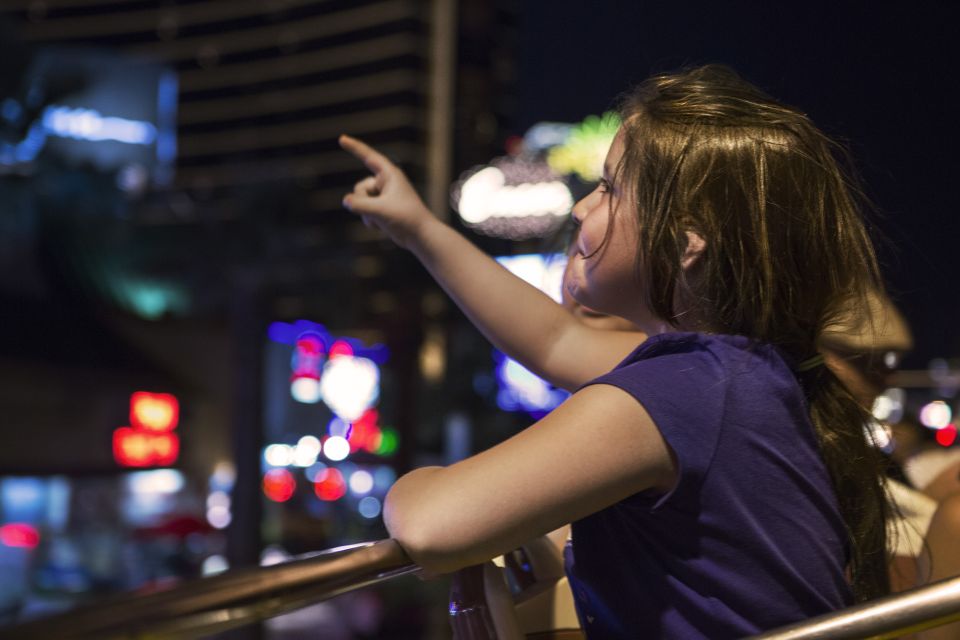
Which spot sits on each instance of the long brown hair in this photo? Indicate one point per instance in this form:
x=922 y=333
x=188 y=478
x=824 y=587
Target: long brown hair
x=786 y=253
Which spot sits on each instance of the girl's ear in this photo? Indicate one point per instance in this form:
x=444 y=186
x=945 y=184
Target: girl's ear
x=696 y=245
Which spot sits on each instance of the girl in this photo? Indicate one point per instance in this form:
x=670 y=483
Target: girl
x=718 y=477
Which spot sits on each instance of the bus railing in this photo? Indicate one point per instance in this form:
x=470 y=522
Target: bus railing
x=889 y=617
x=205 y=606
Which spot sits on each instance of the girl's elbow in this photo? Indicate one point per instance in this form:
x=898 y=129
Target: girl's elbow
x=425 y=539
x=431 y=557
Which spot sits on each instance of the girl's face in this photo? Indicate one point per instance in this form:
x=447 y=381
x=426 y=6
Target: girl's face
x=586 y=315
x=601 y=271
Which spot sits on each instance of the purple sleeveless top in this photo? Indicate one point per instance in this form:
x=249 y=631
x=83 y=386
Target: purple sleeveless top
x=749 y=539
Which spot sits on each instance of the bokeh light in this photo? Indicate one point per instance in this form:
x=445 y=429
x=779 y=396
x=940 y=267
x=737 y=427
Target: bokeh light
x=336 y=448
x=389 y=441
x=218 y=499
x=369 y=507
x=154 y=411
x=383 y=477
x=338 y=427
x=214 y=564
x=306 y=451
x=330 y=485
x=224 y=476
x=219 y=517
x=279 y=485
x=278 y=455
x=585 y=149
x=305 y=389
x=361 y=482
x=947 y=436
x=936 y=414
x=18 y=534
x=512 y=197
x=888 y=406
x=350 y=385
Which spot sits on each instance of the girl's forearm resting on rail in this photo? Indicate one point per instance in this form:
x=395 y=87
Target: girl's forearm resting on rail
x=549 y=474
x=424 y=514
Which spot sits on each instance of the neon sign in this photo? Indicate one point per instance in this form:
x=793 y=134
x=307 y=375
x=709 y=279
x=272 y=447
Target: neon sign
x=150 y=440
x=91 y=125
x=585 y=148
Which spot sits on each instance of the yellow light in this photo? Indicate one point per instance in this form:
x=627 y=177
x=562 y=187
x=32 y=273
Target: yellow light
x=585 y=149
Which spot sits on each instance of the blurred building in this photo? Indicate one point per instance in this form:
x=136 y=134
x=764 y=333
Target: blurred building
x=170 y=186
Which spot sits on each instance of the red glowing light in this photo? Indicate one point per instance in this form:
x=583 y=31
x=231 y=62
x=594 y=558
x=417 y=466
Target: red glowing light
x=307 y=354
x=166 y=448
x=19 y=535
x=154 y=411
x=136 y=448
x=279 y=485
x=947 y=436
x=309 y=345
x=365 y=432
x=330 y=485
x=131 y=448
x=341 y=348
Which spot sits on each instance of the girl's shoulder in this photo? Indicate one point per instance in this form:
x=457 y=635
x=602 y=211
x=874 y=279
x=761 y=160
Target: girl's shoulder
x=708 y=361
x=723 y=348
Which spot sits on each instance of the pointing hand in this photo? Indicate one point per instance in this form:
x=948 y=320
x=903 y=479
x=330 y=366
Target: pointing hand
x=385 y=199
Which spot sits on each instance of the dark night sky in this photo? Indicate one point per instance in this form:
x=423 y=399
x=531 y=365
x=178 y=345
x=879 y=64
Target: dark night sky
x=882 y=79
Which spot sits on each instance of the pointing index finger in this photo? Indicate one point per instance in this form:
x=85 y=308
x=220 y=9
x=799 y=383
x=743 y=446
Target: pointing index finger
x=374 y=160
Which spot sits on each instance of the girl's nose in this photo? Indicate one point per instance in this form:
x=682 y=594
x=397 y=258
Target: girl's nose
x=579 y=211
x=583 y=206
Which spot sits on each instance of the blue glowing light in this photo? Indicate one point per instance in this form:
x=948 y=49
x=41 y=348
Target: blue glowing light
x=290 y=332
x=383 y=477
x=22 y=499
x=338 y=427
x=522 y=390
x=151 y=299
x=518 y=388
x=544 y=271
x=10 y=110
x=167 y=90
x=544 y=135
x=26 y=150
x=89 y=124
x=369 y=507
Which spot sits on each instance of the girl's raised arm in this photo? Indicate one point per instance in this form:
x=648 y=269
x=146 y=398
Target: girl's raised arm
x=517 y=318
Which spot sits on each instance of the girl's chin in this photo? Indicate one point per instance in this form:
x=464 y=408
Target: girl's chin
x=589 y=312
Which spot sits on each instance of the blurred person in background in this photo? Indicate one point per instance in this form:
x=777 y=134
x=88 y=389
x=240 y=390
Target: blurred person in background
x=930 y=468
x=863 y=349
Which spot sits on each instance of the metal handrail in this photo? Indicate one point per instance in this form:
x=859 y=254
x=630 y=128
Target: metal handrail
x=889 y=617
x=204 y=606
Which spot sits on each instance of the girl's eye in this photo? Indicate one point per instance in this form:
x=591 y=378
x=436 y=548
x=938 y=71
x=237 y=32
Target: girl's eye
x=604 y=186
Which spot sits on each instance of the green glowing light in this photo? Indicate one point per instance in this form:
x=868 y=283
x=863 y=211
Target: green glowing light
x=151 y=300
x=584 y=150
x=388 y=442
